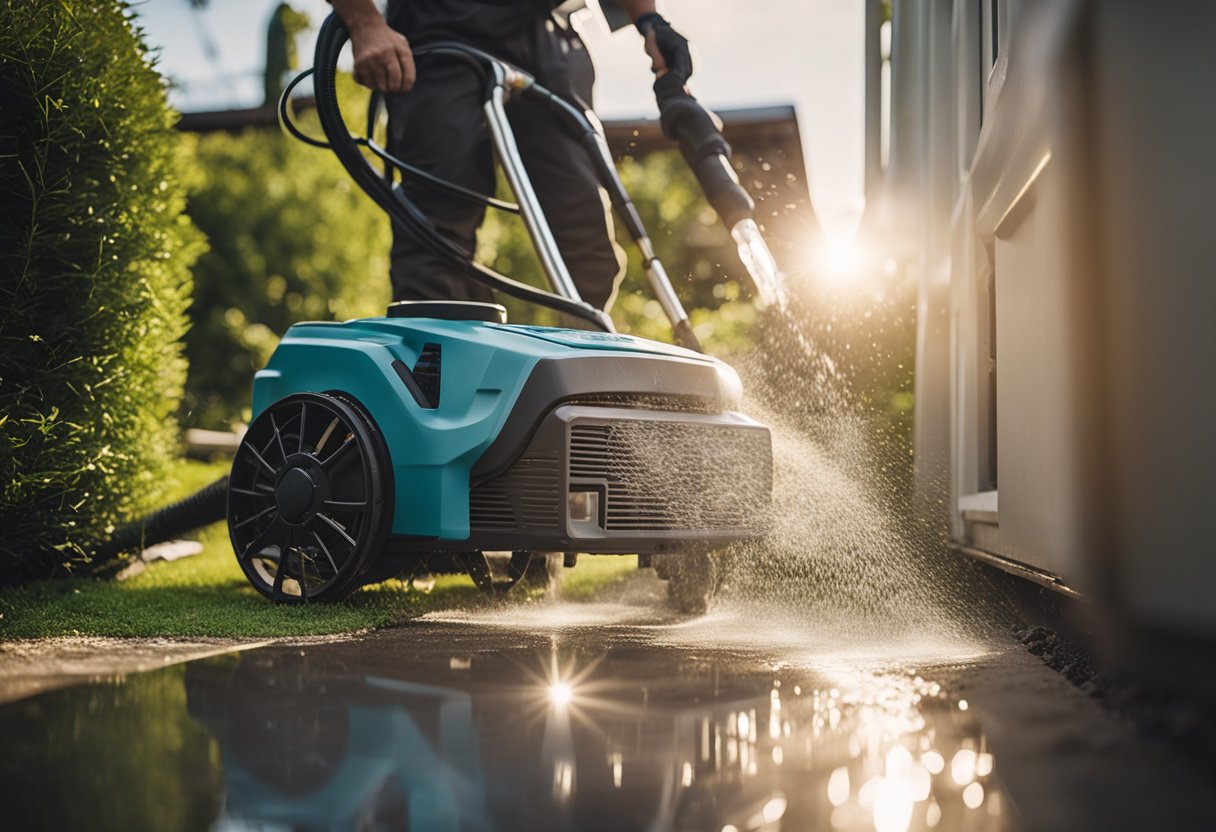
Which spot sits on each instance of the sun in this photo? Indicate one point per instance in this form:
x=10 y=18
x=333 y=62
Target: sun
x=839 y=259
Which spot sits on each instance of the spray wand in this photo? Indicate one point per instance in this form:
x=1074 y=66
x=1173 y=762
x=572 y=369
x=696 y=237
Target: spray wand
x=699 y=134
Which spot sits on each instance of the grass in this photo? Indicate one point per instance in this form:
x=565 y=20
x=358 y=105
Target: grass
x=208 y=596
x=593 y=573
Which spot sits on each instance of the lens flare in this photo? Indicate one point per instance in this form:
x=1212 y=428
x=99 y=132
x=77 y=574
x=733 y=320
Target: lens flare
x=839 y=259
x=560 y=693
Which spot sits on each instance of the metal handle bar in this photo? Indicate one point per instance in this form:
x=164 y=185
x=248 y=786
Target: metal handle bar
x=501 y=80
x=392 y=199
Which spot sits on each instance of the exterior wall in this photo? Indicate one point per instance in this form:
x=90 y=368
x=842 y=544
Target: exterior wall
x=1153 y=139
x=1068 y=278
x=1024 y=281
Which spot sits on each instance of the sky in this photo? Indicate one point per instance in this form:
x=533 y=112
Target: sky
x=764 y=52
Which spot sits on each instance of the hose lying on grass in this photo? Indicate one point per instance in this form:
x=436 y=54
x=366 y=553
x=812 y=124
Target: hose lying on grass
x=202 y=508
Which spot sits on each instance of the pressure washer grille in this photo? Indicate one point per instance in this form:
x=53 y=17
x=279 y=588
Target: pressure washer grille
x=674 y=476
x=525 y=497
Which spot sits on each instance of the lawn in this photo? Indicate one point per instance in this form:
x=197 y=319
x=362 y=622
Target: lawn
x=206 y=595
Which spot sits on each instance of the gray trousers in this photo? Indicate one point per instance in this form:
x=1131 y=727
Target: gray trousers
x=439 y=127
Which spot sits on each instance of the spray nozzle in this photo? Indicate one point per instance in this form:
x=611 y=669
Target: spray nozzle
x=760 y=264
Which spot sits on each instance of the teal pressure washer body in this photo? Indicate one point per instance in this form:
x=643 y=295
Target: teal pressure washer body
x=435 y=434
x=483 y=424
x=379 y=441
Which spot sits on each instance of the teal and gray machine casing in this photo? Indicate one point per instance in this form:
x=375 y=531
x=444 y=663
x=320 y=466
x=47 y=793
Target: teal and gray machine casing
x=497 y=432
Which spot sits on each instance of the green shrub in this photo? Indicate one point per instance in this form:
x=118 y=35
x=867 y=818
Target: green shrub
x=291 y=238
x=94 y=279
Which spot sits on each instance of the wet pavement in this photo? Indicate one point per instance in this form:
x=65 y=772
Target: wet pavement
x=549 y=716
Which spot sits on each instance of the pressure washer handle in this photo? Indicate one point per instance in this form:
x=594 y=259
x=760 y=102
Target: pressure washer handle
x=699 y=134
x=584 y=126
x=500 y=80
x=392 y=198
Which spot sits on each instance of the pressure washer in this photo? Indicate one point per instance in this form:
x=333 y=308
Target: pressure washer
x=440 y=432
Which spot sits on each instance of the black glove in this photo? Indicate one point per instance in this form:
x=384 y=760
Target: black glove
x=672 y=46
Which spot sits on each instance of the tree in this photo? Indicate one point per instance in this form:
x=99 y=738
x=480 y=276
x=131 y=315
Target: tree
x=281 y=54
x=291 y=238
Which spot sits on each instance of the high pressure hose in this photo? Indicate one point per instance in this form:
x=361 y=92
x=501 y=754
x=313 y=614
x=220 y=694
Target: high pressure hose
x=392 y=199
x=204 y=507
x=579 y=124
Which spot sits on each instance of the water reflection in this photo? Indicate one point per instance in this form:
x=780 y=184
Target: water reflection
x=632 y=737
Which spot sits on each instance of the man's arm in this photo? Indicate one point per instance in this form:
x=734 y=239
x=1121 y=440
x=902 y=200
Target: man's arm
x=637 y=8
x=383 y=59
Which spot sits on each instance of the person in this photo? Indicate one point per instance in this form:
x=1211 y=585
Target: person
x=436 y=123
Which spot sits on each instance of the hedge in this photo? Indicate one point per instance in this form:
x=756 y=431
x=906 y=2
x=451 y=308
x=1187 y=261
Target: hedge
x=95 y=253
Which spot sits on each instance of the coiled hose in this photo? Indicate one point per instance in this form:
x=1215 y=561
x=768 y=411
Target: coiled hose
x=330 y=41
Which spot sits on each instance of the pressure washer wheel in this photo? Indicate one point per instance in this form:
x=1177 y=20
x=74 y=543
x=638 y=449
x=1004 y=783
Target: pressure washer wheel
x=544 y=571
x=692 y=579
x=309 y=498
x=493 y=576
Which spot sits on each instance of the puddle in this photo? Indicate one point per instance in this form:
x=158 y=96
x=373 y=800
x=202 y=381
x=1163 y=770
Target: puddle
x=549 y=616
x=460 y=726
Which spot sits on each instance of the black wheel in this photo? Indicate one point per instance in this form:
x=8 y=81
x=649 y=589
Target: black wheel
x=498 y=573
x=692 y=579
x=309 y=499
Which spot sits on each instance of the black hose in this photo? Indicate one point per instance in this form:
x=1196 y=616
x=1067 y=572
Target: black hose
x=578 y=125
x=202 y=508
x=392 y=199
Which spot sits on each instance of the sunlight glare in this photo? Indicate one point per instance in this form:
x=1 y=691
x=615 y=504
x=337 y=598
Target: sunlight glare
x=560 y=693
x=839 y=259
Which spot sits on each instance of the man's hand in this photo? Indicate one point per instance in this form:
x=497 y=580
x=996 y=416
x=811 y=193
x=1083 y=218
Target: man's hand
x=383 y=59
x=667 y=48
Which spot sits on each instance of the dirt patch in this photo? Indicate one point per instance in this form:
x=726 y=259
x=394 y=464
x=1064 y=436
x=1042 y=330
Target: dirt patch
x=33 y=666
x=1061 y=656
x=1181 y=721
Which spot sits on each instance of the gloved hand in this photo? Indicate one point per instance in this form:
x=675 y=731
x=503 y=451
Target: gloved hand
x=667 y=48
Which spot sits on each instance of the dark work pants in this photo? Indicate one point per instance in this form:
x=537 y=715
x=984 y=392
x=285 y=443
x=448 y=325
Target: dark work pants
x=439 y=127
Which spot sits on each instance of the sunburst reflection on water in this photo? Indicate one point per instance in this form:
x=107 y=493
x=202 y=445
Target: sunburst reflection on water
x=845 y=733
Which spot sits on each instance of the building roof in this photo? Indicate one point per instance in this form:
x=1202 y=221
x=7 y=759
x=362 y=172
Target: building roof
x=766 y=141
